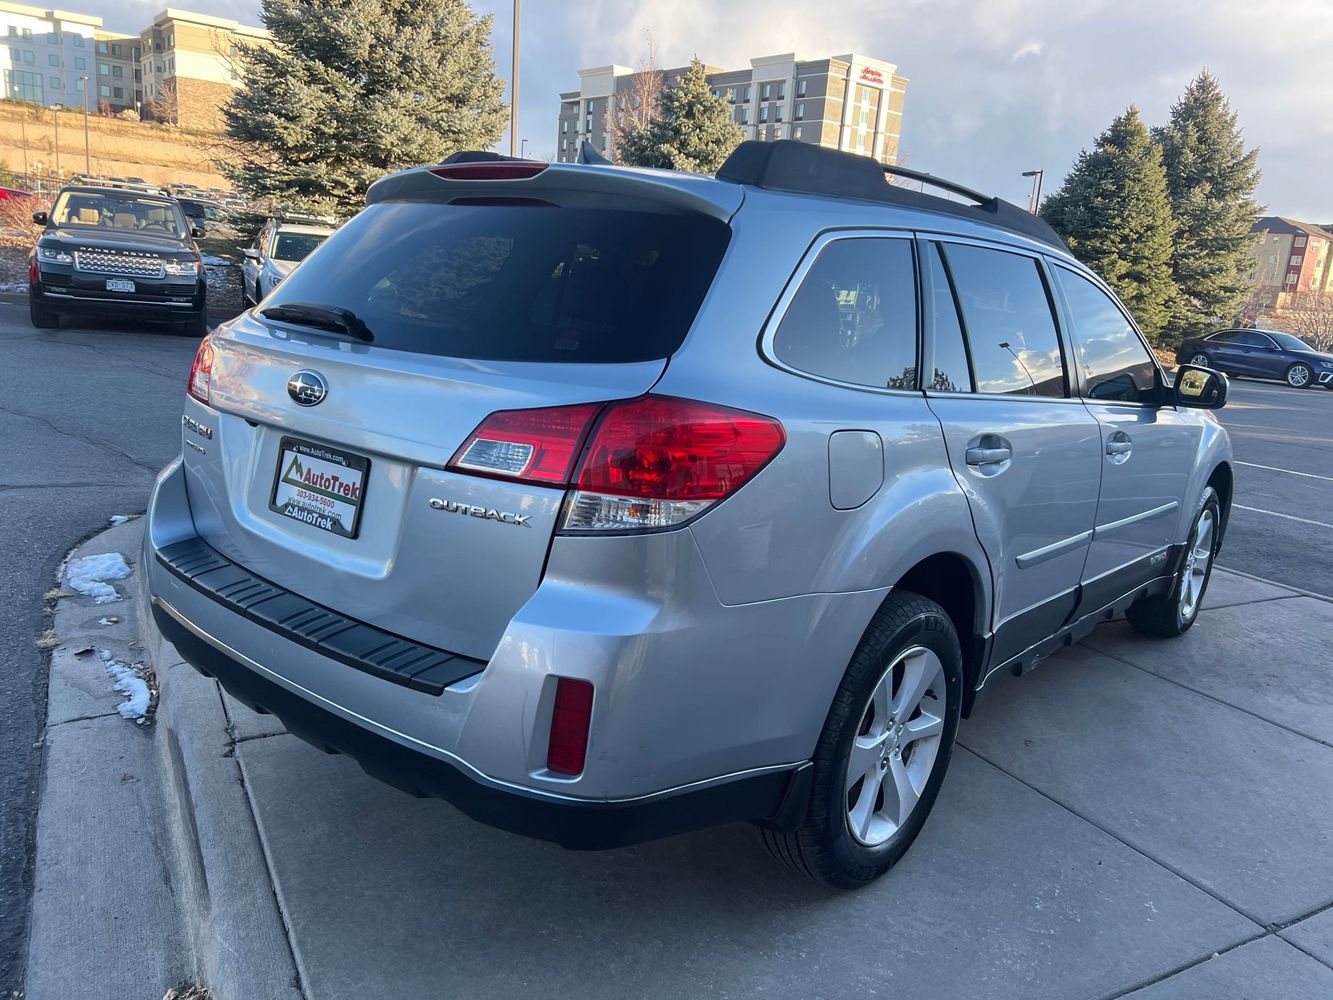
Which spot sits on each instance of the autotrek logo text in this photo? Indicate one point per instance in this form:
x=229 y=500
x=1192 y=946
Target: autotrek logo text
x=321 y=482
x=298 y=513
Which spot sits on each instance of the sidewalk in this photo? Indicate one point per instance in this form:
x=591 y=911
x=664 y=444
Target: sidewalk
x=1136 y=815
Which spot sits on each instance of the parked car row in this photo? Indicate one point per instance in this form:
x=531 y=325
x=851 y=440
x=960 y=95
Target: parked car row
x=1267 y=354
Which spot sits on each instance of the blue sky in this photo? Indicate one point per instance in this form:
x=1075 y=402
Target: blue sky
x=997 y=86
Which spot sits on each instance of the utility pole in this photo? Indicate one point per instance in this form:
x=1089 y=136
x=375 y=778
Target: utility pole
x=513 y=85
x=87 y=148
x=1034 y=196
x=23 y=128
x=55 y=113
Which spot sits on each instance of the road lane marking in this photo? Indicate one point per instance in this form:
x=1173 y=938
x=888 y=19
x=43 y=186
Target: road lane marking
x=1289 y=517
x=1290 y=472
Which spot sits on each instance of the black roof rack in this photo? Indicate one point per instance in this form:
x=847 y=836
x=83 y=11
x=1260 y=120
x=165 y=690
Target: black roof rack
x=788 y=165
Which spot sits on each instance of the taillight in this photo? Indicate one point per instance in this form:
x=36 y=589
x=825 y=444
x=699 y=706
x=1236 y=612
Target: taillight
x=567 y=751
x=537 y=446
x=655 y=462
x=651 y=462
x=201 y=371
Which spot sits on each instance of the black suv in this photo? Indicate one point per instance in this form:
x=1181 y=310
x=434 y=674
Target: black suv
x=112 y=252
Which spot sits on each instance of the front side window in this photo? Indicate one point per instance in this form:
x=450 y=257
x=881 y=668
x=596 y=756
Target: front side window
x=1113 y=360
x=1007 y=316
x=118 y=211
x=854 y=317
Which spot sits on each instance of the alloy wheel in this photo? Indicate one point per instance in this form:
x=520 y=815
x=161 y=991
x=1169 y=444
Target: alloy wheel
x=896 y=746
x=1200 y=359
x=1196 y=564
x=1298 y=376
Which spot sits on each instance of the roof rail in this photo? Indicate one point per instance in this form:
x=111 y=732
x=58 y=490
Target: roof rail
x=789 y=165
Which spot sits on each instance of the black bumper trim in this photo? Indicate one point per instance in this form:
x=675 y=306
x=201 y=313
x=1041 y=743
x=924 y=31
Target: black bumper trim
x=329 y=633
x=776 y=798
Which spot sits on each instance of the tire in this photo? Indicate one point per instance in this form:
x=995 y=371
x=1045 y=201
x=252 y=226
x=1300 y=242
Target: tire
x=259 y=292
x=1173 y=613
x=910 y=643
x=1300 y=376
x=1202 y=360
x=196 y=326
x=42 y=317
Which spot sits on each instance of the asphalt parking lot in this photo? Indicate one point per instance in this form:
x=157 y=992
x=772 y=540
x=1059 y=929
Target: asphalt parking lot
x=1135 y=818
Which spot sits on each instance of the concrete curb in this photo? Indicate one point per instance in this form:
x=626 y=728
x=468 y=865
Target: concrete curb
x=231 y=914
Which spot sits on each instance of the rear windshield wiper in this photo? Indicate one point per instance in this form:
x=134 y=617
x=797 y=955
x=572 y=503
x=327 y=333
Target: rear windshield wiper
x=320 y=317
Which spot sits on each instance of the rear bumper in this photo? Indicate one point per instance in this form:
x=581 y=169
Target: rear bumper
x=779 y=795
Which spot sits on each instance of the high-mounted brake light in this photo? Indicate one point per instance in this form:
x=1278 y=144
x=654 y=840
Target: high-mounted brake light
x=571 y=718
x=649 y=463
x=201 y=371
x=490 y=170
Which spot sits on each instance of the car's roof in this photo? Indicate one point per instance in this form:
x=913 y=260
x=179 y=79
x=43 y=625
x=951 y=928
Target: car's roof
x=305 y=228
x=104 y=190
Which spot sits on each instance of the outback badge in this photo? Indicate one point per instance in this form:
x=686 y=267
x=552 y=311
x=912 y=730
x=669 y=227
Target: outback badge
x=486 y=513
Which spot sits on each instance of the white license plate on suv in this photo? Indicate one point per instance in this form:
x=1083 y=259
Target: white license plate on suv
x=119 y=285
x=320 y=486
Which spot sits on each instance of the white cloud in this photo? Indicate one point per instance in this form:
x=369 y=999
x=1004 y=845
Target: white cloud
x=1032 y=48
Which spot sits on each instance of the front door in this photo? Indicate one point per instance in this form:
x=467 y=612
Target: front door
x=1027 y=455
x=1147 y=449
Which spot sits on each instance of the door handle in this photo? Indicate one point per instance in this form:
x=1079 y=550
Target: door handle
x=1118 y=447
x=988 y=456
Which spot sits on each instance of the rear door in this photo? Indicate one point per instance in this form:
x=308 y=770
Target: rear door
x=1024 y=451
x=1147 y=448
x=345 y=495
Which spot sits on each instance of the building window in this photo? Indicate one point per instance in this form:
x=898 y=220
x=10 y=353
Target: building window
x=1291 y=279
x=78 y=41
x=54 y=82
x=781 y=88
x=137 y=51
x=800 y=112
x=27 y=57
x=159 y=67
x=80 y=62
x=13 y=30
x=587 y=125
x=589 y=109
x=171 y=40
x=27 y=33
x=53 y=60
x=800 y=88
x=101 y=47
x=564 y=125
x=1299 y=241
x=797 y=132
x=14 y=54
x=777 y=133
x=766 y=92
x=747 y=93
x=104 y=91
x=103 y=69
x=53 y=38
x=117 y=71
x=763 y=113
x=564 y=145
x=118 y=93
x=115 y=49
x=777 y=112
x=24 y=86
x=1296 y=261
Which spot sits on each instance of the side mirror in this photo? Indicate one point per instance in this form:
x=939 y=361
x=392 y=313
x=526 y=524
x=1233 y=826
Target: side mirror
x=251 y=253
x=39 y=218
x=1201 y=388
x=197 y=231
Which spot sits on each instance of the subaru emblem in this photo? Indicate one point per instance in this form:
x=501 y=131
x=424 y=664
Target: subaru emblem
x=307 y=388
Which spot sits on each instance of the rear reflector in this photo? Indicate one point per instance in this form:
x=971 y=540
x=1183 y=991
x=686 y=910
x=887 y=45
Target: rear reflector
x=201 y=371
x=537 y=446
x=649 y=463
x=493 y=170
x=571 y=718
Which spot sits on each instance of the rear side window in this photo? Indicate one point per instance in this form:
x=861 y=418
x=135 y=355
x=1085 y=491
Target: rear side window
x=853 y=318
x=951 y=373
x=1114 y=363
x=517 y=282
x=1007 y=318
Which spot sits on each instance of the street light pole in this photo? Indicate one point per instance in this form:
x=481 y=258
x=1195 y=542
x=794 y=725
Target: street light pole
x=87 y=148
x=55 y=113
x=1034 y=197
x=513 y=85
x=523 y=149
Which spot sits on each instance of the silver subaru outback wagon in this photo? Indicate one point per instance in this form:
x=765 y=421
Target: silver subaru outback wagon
x=610 y=503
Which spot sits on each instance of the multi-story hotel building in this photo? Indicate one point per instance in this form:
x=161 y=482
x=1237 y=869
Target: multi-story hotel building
x=849 y=102
x=50 y=56
x=188 y=65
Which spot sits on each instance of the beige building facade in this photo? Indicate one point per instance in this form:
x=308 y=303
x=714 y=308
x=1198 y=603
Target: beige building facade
x=1290 y=258
x=850 y=102
x=188 y=66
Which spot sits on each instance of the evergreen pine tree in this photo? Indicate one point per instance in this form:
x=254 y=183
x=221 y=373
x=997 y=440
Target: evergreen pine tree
x=1113 y=212
x=1210 y=178
x=353 y=89
x=693 y=130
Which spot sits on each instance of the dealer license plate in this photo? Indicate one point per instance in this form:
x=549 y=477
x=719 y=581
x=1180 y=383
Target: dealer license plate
x=119 y=285
x=320 y=486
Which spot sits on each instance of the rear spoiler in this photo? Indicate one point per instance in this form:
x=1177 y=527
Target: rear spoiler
x=590 y=183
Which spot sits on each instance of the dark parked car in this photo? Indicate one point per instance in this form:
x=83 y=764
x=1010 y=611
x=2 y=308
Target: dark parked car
x=108 y=251
x=1260 y=354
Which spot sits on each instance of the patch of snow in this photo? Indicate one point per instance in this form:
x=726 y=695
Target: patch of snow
x=89 y=575
x=107 y=621
x=215 y=261
x=122 y=518
x=130 y=682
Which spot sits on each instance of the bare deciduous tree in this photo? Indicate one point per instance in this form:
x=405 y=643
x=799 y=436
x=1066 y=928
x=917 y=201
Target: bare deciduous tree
x=165 y=107
x=1308 y=315
x=636 y=107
